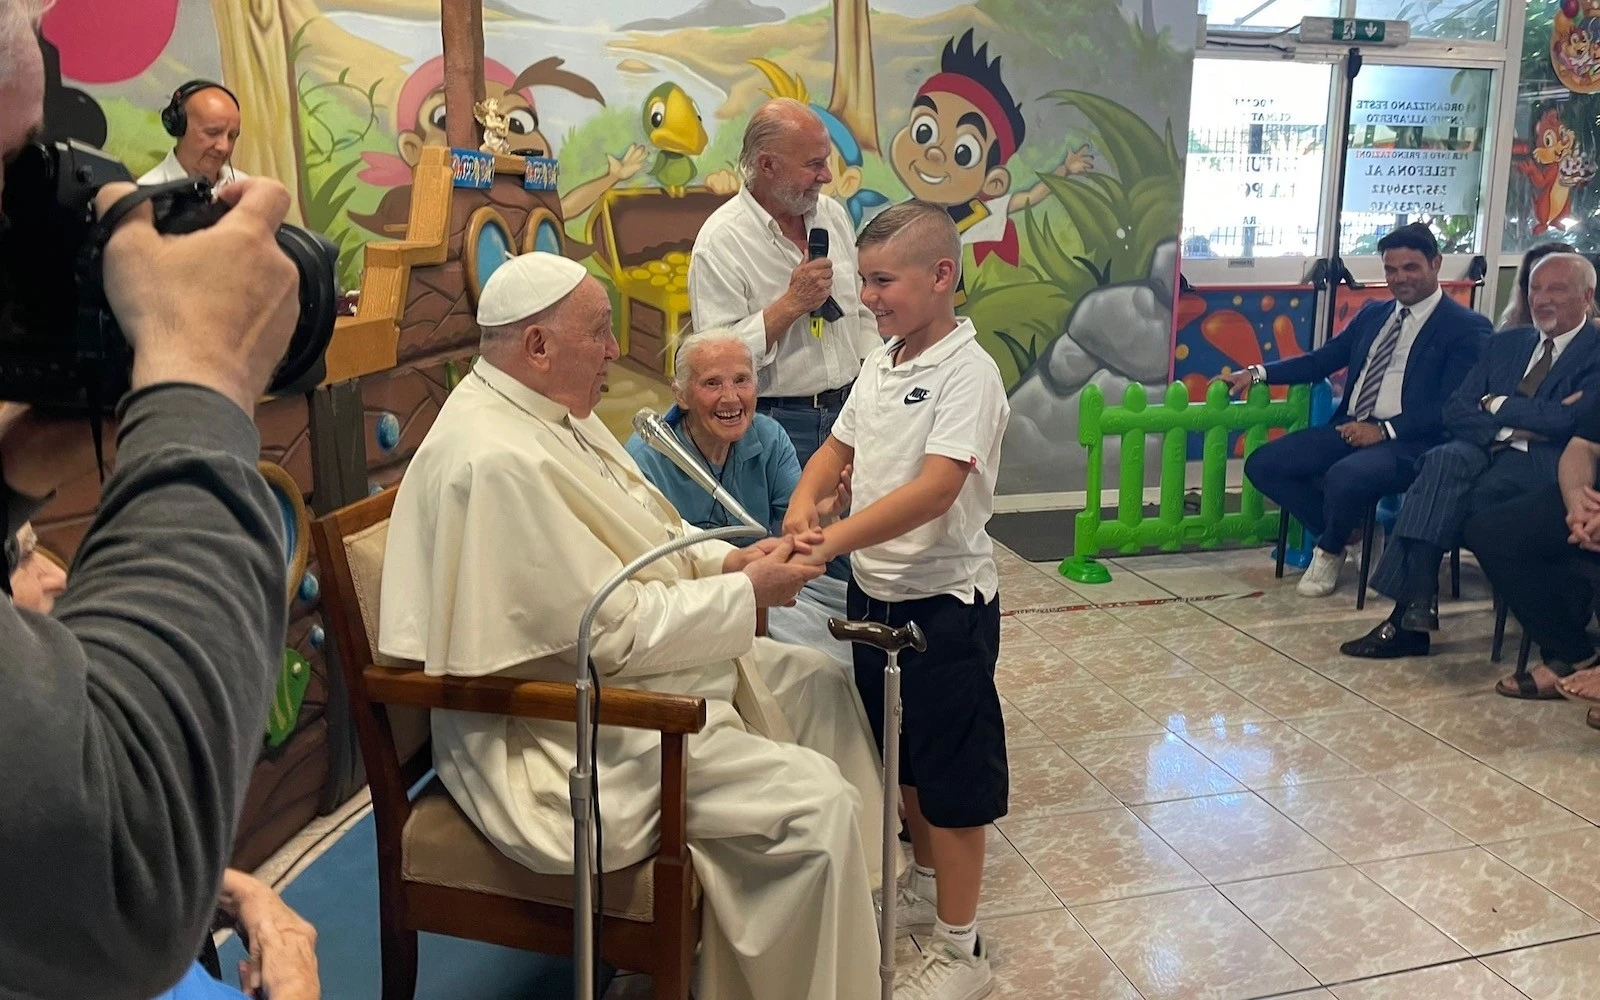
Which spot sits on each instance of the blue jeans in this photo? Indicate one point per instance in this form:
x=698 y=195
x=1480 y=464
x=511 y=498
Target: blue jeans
x=808 y=426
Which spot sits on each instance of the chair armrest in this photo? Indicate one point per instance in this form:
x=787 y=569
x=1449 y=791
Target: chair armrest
x=619 y=706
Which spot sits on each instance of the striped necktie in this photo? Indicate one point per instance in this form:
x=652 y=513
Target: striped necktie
x=1377 y=367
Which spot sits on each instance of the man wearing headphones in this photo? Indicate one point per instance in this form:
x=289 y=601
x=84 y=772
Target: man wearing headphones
x=204 y=117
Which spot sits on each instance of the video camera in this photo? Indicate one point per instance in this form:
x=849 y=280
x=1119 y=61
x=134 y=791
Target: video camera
x=60 y=346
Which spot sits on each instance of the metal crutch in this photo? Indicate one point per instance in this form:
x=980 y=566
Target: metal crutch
x=891 y=641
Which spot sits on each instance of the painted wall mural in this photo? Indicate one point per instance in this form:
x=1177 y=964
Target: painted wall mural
x=1557 y=142
x=1046 y=128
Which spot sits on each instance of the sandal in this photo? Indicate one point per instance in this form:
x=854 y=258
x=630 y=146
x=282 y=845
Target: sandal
x=1522 y=685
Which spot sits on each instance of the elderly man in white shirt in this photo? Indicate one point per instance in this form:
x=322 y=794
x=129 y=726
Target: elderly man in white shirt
x=751 y=270
x=204 y=117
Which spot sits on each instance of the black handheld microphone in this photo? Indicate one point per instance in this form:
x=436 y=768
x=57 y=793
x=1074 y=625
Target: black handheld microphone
x=817 y=247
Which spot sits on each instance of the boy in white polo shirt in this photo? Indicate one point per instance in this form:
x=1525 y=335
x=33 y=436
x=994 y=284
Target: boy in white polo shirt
x=922 y=430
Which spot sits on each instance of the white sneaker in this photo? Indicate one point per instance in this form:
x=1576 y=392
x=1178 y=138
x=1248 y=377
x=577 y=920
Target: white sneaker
x=1321 y=578
x=947 y=972
x=913 y=914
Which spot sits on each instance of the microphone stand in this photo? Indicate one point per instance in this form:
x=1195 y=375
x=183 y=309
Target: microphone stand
x=581 y=779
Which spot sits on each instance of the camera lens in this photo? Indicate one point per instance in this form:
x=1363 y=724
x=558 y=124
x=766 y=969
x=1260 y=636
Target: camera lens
x=316 y=258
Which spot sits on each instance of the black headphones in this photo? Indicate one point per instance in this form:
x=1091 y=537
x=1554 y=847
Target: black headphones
x=175 y=119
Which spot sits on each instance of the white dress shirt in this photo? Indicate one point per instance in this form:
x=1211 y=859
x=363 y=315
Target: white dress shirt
x=741 y=264
x=1394 y=377
x=1561 y=343
x=170 y=169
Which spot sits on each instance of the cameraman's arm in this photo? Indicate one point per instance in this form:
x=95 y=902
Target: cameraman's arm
x=134 y=715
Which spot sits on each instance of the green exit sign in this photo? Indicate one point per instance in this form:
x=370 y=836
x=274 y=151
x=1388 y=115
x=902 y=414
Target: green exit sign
x=1347 y=30
x=1354 y=31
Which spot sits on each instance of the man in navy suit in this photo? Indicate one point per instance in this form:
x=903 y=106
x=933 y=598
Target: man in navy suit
x=1509 y=421
x=1405 y=358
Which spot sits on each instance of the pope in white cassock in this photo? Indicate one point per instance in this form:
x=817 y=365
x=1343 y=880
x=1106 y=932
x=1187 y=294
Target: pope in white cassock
x=518 y=506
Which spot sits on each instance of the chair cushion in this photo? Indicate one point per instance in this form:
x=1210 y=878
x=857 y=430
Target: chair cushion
x=364 y=550
x=440 y=846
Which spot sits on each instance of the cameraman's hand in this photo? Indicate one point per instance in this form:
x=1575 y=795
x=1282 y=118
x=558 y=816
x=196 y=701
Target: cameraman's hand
x=39 y=454
x=283 y=946
x=214 y=308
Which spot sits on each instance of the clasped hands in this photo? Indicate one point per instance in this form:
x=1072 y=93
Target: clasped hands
x=1583 y=518
x=780 y=566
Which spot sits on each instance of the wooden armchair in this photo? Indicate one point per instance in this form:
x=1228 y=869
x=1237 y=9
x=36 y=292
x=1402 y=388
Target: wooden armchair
x=436 y=872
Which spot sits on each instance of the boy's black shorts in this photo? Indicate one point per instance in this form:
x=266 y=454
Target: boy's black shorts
x=952 y=737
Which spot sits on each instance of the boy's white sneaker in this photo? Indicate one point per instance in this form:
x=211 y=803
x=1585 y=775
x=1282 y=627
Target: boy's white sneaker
x=1321 y=578
x=913 y=914
x=947 y=972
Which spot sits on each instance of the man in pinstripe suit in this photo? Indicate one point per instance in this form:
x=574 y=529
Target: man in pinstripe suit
x=1509 y=422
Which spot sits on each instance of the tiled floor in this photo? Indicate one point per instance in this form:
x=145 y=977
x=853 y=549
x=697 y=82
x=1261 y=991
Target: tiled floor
x=1209 y=803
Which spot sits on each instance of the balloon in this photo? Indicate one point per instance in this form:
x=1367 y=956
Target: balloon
x=108 y=41
x=1569 y=7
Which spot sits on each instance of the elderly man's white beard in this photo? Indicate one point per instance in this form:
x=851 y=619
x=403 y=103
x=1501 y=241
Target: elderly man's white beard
x=796 y=202
x=1555 y=327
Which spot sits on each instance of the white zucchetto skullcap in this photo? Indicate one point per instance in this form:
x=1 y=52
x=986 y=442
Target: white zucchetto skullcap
x=526 y=284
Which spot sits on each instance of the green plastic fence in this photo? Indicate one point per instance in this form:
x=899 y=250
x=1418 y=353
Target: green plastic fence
x=1176 y=418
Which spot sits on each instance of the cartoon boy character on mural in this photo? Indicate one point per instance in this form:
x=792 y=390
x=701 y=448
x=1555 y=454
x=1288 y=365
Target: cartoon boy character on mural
x=420 y=120
x=1554 y=168
x=963 y=129
x=844 y=157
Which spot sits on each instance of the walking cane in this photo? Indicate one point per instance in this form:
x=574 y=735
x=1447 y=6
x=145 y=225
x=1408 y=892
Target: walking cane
x=891 y=641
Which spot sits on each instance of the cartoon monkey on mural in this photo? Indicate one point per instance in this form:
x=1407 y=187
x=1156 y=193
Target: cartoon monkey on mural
x=420 y=118
x=963 y=128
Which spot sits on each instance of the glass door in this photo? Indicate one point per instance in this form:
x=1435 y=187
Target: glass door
x=1255 y=170
x=1420 y=137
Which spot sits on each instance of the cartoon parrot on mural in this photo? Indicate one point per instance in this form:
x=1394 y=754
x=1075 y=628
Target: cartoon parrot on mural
x=672 y=125
x=1554 y=168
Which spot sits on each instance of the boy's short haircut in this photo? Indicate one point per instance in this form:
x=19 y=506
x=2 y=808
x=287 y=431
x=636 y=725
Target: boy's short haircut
x=921 y=230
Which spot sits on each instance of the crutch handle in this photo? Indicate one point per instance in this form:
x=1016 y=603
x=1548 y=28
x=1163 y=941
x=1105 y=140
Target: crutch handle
x=890 y=640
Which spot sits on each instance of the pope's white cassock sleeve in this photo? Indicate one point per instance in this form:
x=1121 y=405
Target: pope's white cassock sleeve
x=511 y=516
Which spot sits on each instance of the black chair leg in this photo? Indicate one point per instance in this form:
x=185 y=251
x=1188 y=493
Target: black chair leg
x=1524 y=651
x=1367 y=528
x=1455 y=573
x=1283 y=542
x=1500 y=612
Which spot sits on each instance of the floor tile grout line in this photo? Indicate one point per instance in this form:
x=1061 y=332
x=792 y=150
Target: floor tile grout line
x=1068 y=910
x=1475 y=842
x=1462 y=945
